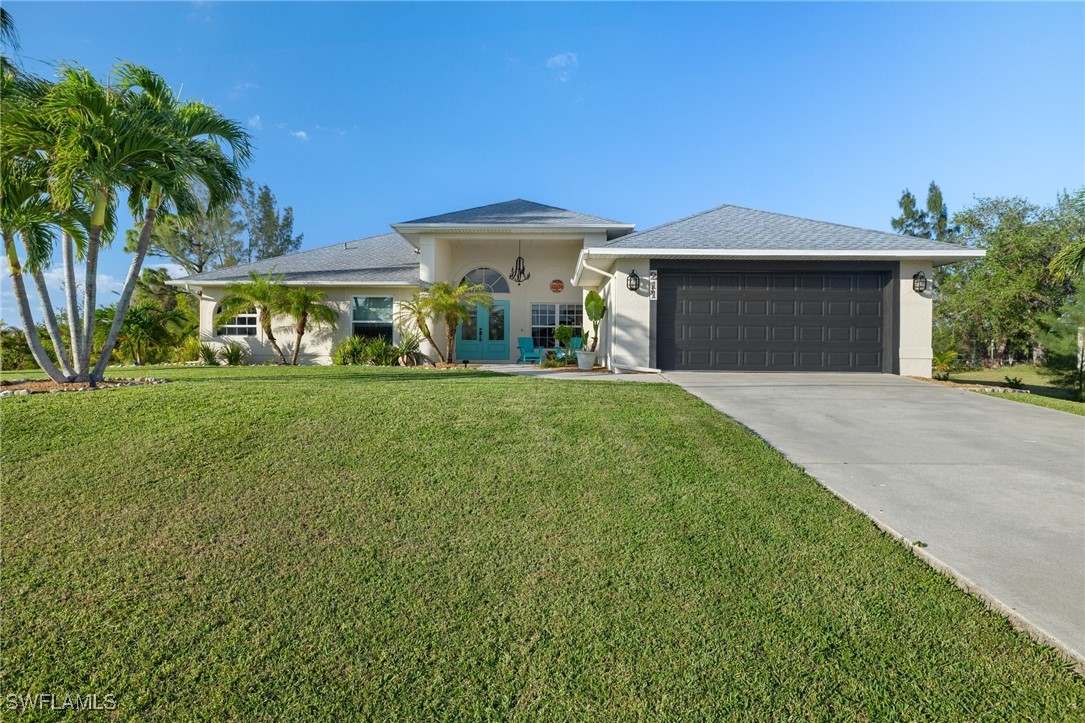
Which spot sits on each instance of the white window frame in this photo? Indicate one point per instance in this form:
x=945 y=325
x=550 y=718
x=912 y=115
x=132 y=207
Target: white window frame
x=547 y=339
x=247 y=324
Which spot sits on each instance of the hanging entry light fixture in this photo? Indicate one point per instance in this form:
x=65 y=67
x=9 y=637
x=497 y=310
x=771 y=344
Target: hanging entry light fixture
x=519 y=273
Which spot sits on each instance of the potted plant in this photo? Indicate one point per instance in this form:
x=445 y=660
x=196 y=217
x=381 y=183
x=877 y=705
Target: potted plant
x=596 y=308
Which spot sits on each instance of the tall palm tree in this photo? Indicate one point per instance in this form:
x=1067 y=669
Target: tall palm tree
x=25 y=212
x=265 y=294
x=308 y=308
x=198 y=161
x=131 y=135
x=453 y=305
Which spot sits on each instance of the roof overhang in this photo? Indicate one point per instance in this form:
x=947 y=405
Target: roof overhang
x=413 y=232
x=351 y=284
x=937 y=258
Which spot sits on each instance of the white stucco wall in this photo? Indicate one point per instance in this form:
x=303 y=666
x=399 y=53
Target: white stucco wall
x=631 y=346
x=916 y=319
x=316 y=345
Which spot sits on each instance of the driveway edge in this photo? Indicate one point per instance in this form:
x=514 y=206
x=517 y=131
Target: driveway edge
x=1037 y=634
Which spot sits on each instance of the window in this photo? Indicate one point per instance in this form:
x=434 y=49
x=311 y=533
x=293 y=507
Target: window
x=240 y=325
x=493 y=281
x=372 y=316
x=547 y=317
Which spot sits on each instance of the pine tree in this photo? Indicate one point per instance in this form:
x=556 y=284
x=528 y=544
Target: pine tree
x=271 y=233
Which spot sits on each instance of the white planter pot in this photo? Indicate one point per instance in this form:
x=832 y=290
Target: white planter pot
x=585 y=360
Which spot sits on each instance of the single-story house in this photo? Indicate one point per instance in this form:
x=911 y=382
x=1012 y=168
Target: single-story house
x=730 y=288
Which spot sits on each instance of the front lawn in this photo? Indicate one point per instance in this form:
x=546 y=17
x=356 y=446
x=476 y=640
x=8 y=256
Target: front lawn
x=342 y=543
x=1043 y=392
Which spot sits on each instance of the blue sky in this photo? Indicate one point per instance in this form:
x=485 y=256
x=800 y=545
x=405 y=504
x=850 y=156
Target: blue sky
x=366 y=114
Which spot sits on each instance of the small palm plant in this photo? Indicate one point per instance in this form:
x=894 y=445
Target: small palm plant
x=595 y=306
x=233 y=354
x=943 y=363
x=453 y=306
x=265 y=294
x=308 y=308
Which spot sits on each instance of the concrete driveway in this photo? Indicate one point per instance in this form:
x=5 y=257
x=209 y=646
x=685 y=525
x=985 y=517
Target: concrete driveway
x=995 y=488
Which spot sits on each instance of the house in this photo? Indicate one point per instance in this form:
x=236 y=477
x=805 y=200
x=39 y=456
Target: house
x=727 y=289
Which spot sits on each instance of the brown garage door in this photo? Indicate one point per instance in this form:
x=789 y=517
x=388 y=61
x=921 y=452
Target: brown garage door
x=772 y=321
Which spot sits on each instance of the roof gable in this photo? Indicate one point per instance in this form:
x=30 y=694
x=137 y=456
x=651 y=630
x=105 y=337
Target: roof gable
x=730 y=227
x=516 y=212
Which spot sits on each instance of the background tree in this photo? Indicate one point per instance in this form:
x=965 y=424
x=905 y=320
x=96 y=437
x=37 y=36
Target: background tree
x=148 y=332
x=308 y=309
x=992 y=307
x=1064 y=356
x=931 y=222
x=208 y=239
x=1070 y=261
x=270 y=233
x=263 y=293
x=912 y=220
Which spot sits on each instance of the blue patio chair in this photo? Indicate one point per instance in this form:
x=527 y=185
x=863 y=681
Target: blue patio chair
x=576 y=344
x=528 y=352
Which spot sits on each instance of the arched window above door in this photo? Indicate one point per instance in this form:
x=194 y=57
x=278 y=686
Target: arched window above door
x=494 y=282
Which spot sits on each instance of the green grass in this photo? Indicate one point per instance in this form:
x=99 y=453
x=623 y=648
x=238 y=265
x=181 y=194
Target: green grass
x=341 y=543
x=1043 y=393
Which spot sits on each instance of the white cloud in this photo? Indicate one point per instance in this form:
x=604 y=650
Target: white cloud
x=175 y=271
x=300 y=134
x=255 y=122
x=564 y=64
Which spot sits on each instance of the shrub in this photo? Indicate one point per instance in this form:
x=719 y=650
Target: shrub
x=944 y=362
x=380 y=352
x=409 y=348
x=233 y=354
x=1014 y=382
x=349 y=351
x=209 y=355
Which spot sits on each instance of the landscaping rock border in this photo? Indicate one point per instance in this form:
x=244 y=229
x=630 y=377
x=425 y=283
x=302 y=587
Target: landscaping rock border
x=111 y=383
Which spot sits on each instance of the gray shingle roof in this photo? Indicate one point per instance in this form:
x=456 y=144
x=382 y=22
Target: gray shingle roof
x=384 y=259
x=734 y=227
x=518 y=211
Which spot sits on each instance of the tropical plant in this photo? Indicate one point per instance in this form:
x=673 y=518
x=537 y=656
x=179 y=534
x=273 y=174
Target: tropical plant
x=209 y=355
x=93 y=141
x=1014 y=382
x=233 y=354
x=147 y=332
x=414 y=313
x=451 y=305
x=265 y=294
x=563 y=336
x=309 y=309
x=1070 y=262
x=595 y=306
x=380 y=352
x=409 y=348
x=943 y=364
x=349 y=351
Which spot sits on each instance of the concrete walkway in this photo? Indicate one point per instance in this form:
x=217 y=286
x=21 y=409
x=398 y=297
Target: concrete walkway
x=529 y=370
x=995 y=488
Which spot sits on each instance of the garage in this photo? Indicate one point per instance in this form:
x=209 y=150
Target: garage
x=776 y=318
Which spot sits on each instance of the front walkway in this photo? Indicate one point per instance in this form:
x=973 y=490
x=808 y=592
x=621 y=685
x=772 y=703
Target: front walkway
x=528 y=370
x=994 y=488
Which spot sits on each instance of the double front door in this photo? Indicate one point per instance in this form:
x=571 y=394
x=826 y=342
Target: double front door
x=485 y=335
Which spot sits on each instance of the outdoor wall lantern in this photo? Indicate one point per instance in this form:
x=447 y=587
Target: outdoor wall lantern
x=632 y=282
x=919 y=283
x=519 y=273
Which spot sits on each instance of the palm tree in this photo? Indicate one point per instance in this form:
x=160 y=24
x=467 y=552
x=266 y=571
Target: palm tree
x=147 y=328
x=198 y=160
x=131 y=135
x=265 y=294
x=307 y=307
x=453 y=305
x=1070 y=261
x=414 y=312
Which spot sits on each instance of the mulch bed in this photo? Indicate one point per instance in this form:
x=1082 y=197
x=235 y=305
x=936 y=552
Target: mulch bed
x=970 y=385
x=39 y=386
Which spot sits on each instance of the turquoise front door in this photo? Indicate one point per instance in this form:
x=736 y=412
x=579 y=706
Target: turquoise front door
x=485 y=336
